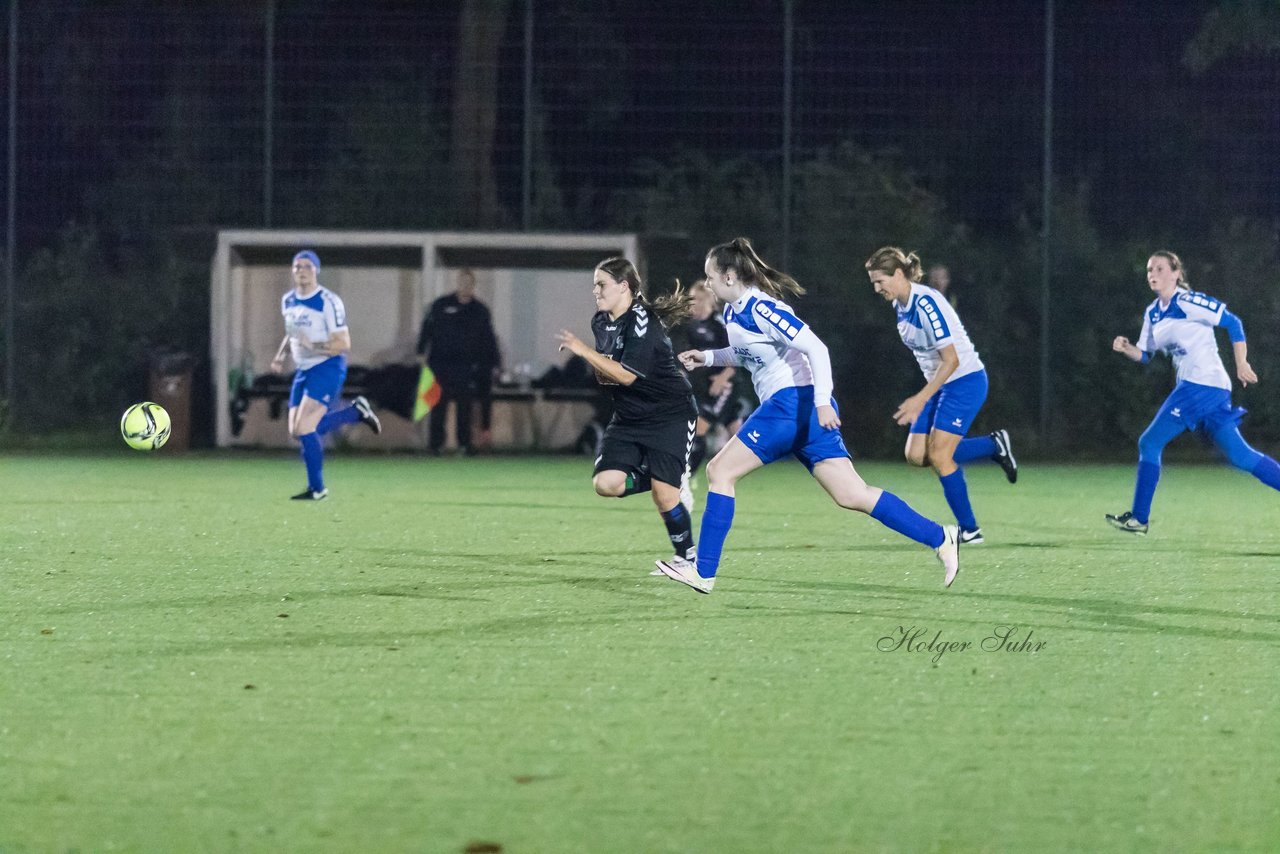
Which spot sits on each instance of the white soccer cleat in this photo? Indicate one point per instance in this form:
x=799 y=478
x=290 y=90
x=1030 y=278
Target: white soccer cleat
x=674 y=561
x=1126 y=522
x=686 y=494
x=686 y=572
x=971 y=538
x=949 y=553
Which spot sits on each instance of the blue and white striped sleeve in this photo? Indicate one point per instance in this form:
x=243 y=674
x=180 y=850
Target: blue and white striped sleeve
x=777 y=321
x=933 y=321
x=335 y=313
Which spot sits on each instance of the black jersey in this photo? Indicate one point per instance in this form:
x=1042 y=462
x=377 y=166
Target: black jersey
x=638 y=341
x=708 y=334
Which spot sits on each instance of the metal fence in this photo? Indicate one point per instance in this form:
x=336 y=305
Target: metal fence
x=246 y=113
x=157 y=117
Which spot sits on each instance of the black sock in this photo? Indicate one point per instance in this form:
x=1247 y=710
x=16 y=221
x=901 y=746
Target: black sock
x=697 y=453
x=637 y=482
x=680 y=530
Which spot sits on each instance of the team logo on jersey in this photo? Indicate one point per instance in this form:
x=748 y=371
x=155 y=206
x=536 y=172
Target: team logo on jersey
x=1176 y=412
x=754 y=435
x=957 y=423
x=642 y=321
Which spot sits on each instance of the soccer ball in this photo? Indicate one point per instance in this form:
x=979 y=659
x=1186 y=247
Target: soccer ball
x=145 y=426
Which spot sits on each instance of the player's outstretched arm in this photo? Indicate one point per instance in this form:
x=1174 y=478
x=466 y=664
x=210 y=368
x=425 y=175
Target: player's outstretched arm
x=692 y=359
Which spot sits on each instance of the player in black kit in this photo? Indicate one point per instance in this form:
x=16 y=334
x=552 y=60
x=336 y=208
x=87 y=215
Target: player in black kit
x=646 y=445
x=715 y=392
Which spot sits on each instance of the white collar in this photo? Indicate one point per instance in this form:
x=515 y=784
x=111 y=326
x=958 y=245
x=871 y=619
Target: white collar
x=740 y=304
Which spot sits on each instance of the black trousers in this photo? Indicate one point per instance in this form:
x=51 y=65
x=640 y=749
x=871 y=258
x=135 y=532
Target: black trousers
x=461 y=396
x=484 y=396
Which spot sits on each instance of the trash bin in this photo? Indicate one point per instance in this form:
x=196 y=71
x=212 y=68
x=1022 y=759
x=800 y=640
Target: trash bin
x=170 y=386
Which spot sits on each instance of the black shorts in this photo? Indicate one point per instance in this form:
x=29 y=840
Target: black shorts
x=661 y=449
x=725 y=409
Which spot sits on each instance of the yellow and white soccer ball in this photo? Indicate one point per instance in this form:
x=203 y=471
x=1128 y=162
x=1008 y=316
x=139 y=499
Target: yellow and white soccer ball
x=145 y=426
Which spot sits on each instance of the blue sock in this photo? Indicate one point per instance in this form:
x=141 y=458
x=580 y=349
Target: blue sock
x=975 y=448
x=716 y=521
x=313 y=457
x=1148 y=477
x=957 y=493
x=892 y=512
x=1268 y=471
x=350 y=415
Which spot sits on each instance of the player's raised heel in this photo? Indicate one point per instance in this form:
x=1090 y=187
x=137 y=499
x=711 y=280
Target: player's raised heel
x=686 y=572
x=971 y=538
x=1004 y=455
x=949 y=554
x=311 y=495
x=1127 y=523
x=368 y=417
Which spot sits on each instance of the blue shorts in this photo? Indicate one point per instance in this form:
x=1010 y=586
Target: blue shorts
x=322 y=382
x=1199 y=407
x=787 y=423
x=954 y=406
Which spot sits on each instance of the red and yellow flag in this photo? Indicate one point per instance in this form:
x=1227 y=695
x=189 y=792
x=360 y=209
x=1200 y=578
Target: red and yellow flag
x=428 y=394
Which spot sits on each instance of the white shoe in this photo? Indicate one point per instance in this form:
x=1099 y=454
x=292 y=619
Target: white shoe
x=686 y=494
x=949 y=554
x=1126 y=522
x=686 y=572
x=971 y=538
x=673 y=561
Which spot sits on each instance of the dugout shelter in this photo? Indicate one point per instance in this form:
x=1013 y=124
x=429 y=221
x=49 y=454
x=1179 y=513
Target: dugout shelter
x=534 y=285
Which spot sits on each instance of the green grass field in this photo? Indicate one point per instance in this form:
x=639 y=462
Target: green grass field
x=455 y=652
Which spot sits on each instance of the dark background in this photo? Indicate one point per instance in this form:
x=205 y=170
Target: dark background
x=142 y=128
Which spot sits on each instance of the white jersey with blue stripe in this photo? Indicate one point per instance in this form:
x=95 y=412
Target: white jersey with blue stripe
x=1184 y=330
x=928 y=324
x=310 y=320
x=761 y=330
